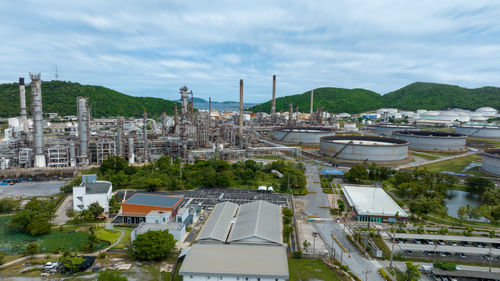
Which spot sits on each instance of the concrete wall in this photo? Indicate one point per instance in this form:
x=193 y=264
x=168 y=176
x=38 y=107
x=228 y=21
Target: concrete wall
x=439 y=143
x=359 y=152
x=196 y=277
x=481 y=132
x=300 y=135
x=491 y=163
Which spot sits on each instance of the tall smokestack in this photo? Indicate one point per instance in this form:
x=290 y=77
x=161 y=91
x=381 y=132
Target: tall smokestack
x=312 y=102
x=209 y=118
x=241 y=110
x=83 y=113
x=22 y=101
x=36 y=94
x=273 y=102
x=119 y=135
x=176 y=115
x=145 y=134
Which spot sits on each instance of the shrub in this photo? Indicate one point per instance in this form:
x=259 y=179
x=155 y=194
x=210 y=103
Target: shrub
x=297 y=255
x=102 y=255
x=32 y=248
x=444 y=265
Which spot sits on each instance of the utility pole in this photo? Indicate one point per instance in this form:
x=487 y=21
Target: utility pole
x=366 y=274
x=392 y=247
x=314 y=242
x=435 y=248
x=491 y=257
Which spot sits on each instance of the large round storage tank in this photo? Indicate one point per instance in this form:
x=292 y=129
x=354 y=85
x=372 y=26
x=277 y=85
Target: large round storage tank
x=479 y=131
x=387 y=130
x=364 y=148
x=430 y=140
x=305 y=135
x=491 y=161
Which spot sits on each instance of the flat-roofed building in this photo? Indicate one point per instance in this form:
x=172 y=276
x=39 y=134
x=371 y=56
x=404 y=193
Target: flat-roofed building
x=135 y=209
x=207 y=261
x=373 y=204
x=91 y=191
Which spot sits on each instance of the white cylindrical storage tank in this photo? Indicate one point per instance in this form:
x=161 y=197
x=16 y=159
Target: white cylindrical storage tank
x=432 y=141
x=387 y=130
x=479 y=131
x=364 y=148
x=491 y=161
x=305 y=135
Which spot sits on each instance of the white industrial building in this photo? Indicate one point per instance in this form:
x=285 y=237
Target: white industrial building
x=373 y=204
x=239 y=242
x=90 y=191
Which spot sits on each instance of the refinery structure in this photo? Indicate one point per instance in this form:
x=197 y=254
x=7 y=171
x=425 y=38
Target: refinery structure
x=34 y=140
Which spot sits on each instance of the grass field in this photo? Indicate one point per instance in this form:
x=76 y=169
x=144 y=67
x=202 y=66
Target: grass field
x=125 y=242
x=15 y=243
x=495 y=143
x=109 y=235
x=305 y=269
x=453 y=165
x=425 y=156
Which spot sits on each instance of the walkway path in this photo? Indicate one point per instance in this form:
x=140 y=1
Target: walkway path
x=61 y=217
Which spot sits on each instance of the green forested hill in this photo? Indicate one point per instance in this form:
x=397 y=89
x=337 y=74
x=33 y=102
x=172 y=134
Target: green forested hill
x=430 y=96
x=60 y=97
x=433 y=96
x=335 y=100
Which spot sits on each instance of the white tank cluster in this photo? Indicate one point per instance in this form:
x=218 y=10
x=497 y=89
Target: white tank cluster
x=432 y=141
x=491 y=161
x=364 y=148
x=304 y=135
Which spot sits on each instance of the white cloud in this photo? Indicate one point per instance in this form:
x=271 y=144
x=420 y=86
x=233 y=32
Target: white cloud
x=155 y=47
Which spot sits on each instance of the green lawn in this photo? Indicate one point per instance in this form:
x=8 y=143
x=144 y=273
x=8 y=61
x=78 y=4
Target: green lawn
x=425 y=156
x=453 y=165
x=15 y=243
x=495 y=143
x=125 y=242
x=110 y=235
x=305 y=269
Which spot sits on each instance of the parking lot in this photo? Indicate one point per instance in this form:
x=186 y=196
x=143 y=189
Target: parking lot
x=208 y=197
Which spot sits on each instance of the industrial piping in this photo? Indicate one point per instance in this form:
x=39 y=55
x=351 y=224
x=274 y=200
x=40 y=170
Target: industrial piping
x=241 y=114
x=145 y=134
x=131 y=155
x=36 y=94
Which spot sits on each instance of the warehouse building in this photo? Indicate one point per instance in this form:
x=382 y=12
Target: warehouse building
x=239 y=242
x=136 y=208
x=373 y=204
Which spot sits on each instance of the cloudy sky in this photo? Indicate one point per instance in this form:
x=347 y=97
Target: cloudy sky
x=152 y=48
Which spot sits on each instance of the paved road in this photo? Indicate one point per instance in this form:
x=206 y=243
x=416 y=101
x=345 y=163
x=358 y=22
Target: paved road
x=357 y=263
x=61 y=217
x=32 y=188
x=415 y=164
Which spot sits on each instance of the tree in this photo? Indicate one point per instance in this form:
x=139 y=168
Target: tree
x=356 y=173
x=341 y=205
x=462 y=212
x=91 y=242
x=2 y=256
x=71 y=263
x=95 y=209
x=32 y=248
x=306 y=245
x=411 y=273
x=154 y=245
x=495 y=213
x=111 y=275
x=34 y=219
x=7 y=205
x=478 y=185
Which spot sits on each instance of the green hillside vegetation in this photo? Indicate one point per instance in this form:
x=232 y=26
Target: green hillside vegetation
x=60 y=97
x=419 y=95
x=335 y=100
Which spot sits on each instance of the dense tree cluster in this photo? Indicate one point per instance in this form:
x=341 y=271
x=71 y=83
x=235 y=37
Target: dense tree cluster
x=35 y=218
x=7 y=205
x=164 y=173
x=358 y=173
x=154 y=245
x=430 y=96
x=60 y=97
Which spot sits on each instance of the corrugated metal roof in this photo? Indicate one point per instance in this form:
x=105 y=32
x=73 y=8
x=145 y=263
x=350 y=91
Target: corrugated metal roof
x=153 y=200
x=218 y=224
x=264 y=261
x=257 y=221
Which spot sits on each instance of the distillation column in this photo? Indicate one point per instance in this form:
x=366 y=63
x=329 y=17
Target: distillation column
x=22 y=104
x=241 y=114
x=273 y=102
x=36 y=94
x=83 y=113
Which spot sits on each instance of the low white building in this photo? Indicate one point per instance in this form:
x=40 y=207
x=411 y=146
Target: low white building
x=177 y=229
x=90 y=191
